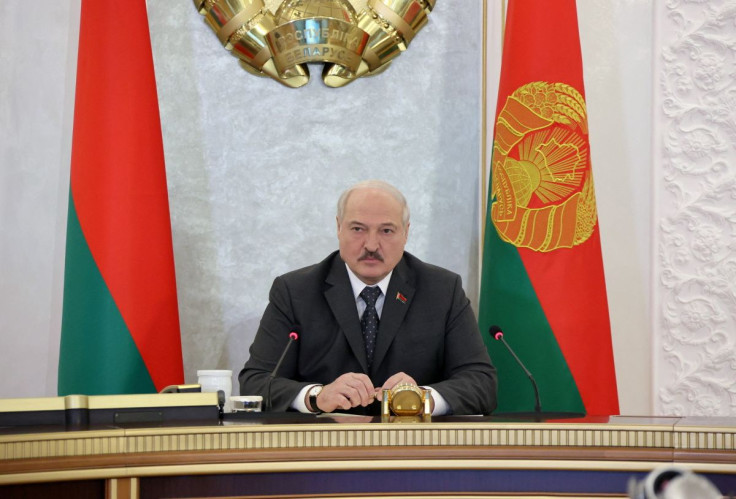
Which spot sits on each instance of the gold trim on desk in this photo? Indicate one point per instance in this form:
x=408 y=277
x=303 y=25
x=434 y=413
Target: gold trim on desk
x=248 y=437
x=354 y=464
x=314 y=436
x=608 y=444
x=698 y=433
x=484 y=434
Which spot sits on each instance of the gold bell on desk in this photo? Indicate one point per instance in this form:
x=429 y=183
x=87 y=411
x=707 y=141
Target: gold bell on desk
x=408 y=403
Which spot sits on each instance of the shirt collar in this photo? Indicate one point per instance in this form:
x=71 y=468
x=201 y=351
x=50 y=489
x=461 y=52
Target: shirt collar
x=358 y=285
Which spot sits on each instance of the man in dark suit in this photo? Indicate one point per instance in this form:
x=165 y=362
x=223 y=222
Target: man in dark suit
x=370 y=316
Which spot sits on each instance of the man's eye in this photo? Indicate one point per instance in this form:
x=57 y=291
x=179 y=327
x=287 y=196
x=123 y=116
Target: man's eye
x=388 y=231
x=356 y=229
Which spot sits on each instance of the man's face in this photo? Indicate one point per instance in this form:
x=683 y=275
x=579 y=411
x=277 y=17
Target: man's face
x=371 y=234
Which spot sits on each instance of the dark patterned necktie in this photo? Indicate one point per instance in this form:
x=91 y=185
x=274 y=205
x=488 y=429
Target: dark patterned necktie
x=369 y=321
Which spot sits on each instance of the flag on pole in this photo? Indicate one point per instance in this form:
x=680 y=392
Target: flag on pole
x=542 y=279
x=120 y=320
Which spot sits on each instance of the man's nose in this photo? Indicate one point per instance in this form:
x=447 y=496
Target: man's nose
x=371 y=241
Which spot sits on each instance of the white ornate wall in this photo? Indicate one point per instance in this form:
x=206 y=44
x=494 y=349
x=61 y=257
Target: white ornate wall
x=694 y=225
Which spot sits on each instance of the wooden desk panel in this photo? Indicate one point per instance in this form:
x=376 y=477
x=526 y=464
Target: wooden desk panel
x=333 y=456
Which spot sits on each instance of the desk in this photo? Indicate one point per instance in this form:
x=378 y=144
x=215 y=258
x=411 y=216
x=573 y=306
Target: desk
x=306 y=456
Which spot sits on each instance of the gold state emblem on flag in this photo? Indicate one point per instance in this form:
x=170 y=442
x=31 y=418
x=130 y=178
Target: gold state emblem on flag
x=542 y=188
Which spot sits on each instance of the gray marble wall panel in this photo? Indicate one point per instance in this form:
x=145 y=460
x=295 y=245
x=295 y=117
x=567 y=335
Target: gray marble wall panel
x=255 y=168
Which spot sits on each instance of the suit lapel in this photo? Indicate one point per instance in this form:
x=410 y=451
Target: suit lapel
x=398 y=300
x=339 y=296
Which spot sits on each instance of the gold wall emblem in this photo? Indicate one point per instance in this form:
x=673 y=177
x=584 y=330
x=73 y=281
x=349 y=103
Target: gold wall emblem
x=542 y=192
x=280 y=44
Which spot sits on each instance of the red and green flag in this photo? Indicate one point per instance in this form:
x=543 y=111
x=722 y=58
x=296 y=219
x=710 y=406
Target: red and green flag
x=542 y=278
x=120 y=321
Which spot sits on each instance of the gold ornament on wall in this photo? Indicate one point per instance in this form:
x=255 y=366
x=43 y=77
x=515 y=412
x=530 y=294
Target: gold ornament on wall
x=280 y=44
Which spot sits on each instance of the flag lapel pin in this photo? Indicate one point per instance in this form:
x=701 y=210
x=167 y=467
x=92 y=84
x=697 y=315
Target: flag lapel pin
x=401 y=297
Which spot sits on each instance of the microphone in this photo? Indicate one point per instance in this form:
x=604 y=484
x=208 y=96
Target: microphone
x=497 y=334
x=293 y=336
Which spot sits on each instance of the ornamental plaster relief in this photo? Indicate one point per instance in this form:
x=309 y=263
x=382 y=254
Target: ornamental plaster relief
x=695 y=208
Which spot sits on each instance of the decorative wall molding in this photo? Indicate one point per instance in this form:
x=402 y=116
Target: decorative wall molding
x=695 y=208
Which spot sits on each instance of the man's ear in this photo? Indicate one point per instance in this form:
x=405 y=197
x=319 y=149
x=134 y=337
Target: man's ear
x=337 y=220
x=406 y=231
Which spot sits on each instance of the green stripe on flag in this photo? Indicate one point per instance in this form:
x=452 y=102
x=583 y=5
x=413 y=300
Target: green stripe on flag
x=508 y=300
x=98 y=355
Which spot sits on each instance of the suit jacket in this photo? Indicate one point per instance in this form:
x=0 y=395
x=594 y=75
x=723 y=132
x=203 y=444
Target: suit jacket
x=427 y=330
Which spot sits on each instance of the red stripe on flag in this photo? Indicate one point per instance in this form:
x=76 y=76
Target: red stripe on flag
x=572 y=293
x=118 y=179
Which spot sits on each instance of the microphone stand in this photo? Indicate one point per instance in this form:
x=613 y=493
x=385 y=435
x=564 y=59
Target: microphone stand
x=292 y=338
x=537 y=402
x=538 y=415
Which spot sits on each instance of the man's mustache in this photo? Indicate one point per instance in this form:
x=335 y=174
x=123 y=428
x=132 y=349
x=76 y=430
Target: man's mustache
x=371 y=254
